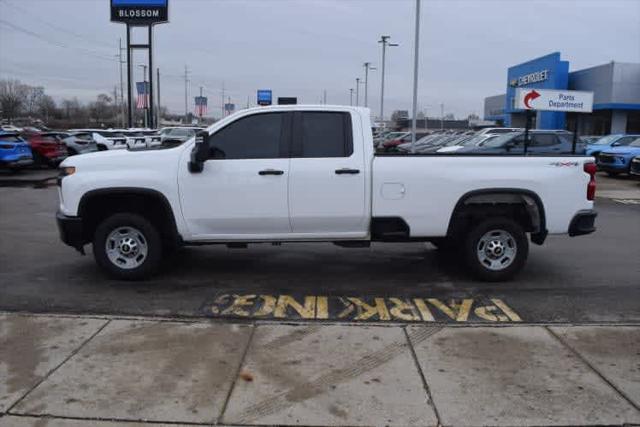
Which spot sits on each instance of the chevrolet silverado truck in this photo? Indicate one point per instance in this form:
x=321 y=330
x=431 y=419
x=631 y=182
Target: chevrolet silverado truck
x=300 y=173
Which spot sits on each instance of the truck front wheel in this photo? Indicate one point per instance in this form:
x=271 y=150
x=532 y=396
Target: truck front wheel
x=496 y=249
x=127 y=246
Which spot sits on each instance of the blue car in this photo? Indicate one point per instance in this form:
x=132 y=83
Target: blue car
x=617 y=160
x=15 y=153
x=594 y=148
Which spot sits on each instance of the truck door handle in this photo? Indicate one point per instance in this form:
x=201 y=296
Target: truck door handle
x=271 y=172
x=347 y=171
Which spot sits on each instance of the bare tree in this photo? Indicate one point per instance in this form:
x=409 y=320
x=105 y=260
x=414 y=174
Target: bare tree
x=32 y=100
x=13 y=96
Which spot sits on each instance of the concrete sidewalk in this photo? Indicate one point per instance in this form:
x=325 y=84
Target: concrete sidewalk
x=103 y=371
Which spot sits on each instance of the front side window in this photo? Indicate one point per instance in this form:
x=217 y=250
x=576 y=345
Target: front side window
x=253 y=137
x=625 y=140
x=325 y=134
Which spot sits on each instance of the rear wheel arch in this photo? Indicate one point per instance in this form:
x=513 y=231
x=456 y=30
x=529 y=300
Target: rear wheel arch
x=97 y=205
x=524 y=206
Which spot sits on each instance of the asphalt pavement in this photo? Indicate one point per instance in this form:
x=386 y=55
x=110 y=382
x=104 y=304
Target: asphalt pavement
x=581 y=280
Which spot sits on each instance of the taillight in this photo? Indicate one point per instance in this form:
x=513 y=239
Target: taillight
x=591 y=169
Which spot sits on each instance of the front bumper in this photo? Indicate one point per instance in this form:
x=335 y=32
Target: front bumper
x=583 y=223
x=71 y=230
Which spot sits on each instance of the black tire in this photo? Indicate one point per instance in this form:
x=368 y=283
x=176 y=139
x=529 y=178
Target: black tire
x=148 y=266
x=472 y=242
x=612 y=174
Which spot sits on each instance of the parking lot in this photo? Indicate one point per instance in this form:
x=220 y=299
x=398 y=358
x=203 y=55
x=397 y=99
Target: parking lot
x=591 y=279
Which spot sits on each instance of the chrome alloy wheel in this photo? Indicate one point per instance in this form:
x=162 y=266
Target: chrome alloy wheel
x=497 y=249
x=126 y=247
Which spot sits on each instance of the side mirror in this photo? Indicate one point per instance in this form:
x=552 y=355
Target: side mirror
x=615 y=144
x=200 y=152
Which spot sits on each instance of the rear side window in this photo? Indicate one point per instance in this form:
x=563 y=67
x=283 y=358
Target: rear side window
x=323 y=134
x=253 y=137
x=543 y=140
x=9 y=138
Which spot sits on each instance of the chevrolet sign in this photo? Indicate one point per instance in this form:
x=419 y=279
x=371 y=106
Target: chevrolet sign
x=139 y=12
x=538 y=76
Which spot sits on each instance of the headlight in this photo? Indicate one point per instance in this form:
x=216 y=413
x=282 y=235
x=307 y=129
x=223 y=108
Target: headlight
x=65 y=171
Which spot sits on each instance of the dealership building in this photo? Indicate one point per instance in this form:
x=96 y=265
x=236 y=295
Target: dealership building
x=615 y=87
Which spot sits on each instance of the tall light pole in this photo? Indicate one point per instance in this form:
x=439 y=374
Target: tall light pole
x=385 y=42
x=351 y=96
x=367 y=67
x=442 y=116
x=415 y=76
x=357 y=91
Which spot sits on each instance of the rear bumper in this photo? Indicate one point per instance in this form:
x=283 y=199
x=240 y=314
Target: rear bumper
x=583 y=223
x=71 y=230
x=16 y=164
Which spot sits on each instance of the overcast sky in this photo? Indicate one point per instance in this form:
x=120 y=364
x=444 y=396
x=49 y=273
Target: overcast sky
x=302 y=47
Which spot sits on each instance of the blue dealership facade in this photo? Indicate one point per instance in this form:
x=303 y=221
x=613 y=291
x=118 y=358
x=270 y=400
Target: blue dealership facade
x=616 y=88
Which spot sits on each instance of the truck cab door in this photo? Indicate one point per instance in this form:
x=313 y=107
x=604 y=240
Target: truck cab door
x=327 y=177
x=241 y=192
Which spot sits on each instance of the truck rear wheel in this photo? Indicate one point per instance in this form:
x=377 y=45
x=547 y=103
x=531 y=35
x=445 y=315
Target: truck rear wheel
x=127 y=246
x=496 y=249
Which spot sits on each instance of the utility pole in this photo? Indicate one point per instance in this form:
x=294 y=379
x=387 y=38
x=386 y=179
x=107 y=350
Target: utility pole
x=186 y=86
x=200 y=110
x=224 y=113
x=441 y=116
x=324 y=97
x=385 y=42
x=415 y=76
x=357 y=91
x=158 y=113
x=146 y=107
x=351 y=96
x=367 y=67
x=120 y=62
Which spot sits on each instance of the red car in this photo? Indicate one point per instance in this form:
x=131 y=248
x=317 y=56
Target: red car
x=48 y=149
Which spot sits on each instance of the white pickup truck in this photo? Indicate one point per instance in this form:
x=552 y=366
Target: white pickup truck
x=309 y=174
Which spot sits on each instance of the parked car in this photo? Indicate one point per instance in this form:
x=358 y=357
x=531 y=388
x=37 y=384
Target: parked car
x=247 y=179
x=377 y=142
x=389 y=143
x=10 y=128
x=15 y=153
x=497 y=131
x=78 y=142
x=469 y=141
x=590 y=139
x=540 y=142
x=106 y=139
x=46 y=147
x=178 y=135
x=594 y=148
x=617 y=160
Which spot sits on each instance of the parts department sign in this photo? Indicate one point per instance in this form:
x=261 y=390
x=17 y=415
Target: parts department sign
x=140 y=12
x=554 y=100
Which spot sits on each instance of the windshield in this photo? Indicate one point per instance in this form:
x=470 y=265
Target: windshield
x=500 y=140
x=605 y=140
x=635 y=143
